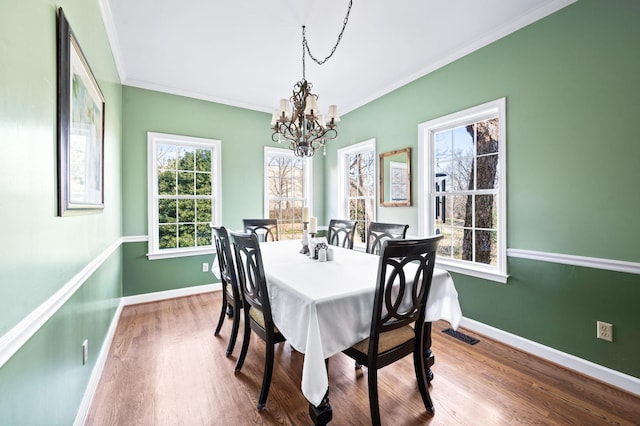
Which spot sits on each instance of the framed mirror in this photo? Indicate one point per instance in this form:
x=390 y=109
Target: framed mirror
x=395 y=178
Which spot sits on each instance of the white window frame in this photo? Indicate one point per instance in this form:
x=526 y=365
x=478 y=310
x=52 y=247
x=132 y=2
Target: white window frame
x=343 y=181
x=426 y=185
x=153 y=139
x=307 y=173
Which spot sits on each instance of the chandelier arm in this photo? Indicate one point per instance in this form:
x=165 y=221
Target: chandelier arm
x=305 y=43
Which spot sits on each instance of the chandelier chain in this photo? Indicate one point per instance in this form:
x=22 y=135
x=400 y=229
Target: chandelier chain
x=305 y=43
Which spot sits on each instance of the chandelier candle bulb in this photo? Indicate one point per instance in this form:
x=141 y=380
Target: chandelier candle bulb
x=312 y=105
x=333 y=113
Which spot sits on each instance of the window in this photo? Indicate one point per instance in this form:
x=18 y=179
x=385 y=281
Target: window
x=184 y=194
x=287 y=182
x=357 y=179
x=463 y=189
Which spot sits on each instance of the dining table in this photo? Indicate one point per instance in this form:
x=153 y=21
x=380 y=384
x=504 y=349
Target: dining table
x=323 y=308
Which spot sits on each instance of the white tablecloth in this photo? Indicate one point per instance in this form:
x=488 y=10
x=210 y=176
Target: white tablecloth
x=323 y=308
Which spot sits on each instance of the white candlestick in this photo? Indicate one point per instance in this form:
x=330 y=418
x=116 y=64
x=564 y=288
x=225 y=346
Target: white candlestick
x=313 y=225
x=305 y=214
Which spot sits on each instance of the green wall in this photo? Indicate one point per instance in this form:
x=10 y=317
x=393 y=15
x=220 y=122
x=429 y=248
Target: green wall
x=572 y=93
x=243 y=133
x=43 y=383
x=573 y=159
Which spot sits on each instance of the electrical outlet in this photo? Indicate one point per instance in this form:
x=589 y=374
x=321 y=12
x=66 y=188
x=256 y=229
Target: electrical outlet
x=605 y=331
x=85 y=351
x=205 y=267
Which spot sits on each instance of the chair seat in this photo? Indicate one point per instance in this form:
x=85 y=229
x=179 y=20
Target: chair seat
x=258 y=317
x=388 y=340
x=229 y=291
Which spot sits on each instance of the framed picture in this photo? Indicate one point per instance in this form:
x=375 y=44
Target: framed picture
x=80 y=129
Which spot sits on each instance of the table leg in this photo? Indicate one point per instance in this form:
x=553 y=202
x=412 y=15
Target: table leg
x=429 y=359
x=322 y=414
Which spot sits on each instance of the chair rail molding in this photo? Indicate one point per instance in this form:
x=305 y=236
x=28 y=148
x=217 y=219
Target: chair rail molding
x=569 y=259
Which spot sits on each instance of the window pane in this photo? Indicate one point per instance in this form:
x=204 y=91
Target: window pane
x=487 y=247
x=204 y=235
x=185 y=183
x=461 y=212
x=166 y=156
x=443 y=176
x=444 y=143
x=443 y=210
x=457 y=239
x=486 y=211
x=463 y=141
x=203 y=160
x=186 y=210
x=203 y=213
x=167 y=211
x=274 y=209
x=445 y=244
x=488 y=172
x=168 y=236
x=186 y=235
x=186 y=158
x=487 y=136
x=462 y=174
x=167 y=183
x=203 y=183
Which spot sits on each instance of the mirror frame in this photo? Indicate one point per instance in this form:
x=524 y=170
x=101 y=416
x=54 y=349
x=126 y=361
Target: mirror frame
x=384 y=155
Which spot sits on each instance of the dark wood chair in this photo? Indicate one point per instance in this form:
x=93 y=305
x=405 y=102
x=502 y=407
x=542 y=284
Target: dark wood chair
x=265 y=229
x=404 y=278
x=231 y=297
x=340 y=233
x=257 y=308
x=378 y=232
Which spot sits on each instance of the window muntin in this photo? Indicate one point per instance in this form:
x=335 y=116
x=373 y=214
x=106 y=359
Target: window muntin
x=462 y=163
x=357 y=196
x=184 y=194
x=287 y=183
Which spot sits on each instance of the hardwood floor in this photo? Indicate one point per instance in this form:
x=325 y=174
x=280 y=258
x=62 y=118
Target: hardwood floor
x=166 y=367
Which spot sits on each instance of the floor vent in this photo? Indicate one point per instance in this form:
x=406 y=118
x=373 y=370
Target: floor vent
x=461 y=336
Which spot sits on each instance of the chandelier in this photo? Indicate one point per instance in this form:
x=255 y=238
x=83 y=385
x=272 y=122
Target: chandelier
x=297 y=120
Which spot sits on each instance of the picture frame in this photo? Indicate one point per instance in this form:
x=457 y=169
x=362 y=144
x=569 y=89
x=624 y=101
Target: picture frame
x=80 y=119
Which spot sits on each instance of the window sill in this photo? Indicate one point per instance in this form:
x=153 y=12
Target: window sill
x=168 y=254
x=484 y=273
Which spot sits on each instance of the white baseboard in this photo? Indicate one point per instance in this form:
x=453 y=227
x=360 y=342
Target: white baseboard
x=588 y=368
x=92 y=386
x=170 y=294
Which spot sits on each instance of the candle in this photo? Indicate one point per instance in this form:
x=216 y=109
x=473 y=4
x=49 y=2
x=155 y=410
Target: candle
x=313 y=225
x=305 y=214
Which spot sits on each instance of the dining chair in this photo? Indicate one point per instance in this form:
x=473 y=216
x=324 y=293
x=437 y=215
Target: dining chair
x=231 y=297
x=265 y=229
x=257 y=308
x=378 y=232
x=405 y=270
x=340 y=233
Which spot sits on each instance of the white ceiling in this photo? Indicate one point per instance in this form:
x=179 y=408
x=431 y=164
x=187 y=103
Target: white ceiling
x=249 y=53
